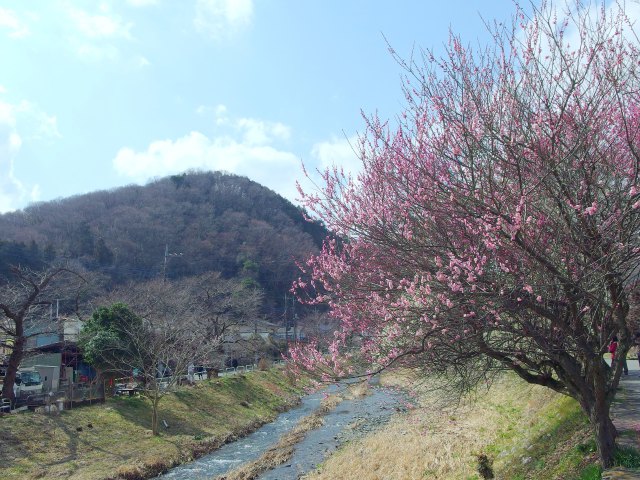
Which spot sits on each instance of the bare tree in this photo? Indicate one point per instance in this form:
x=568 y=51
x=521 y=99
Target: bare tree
x=319 y=326
x=25 y=304
x=161 y=351
x=225 y=306
x=154 y=335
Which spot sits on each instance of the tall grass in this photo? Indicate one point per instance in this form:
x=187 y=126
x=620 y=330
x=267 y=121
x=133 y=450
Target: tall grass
x=514 y=431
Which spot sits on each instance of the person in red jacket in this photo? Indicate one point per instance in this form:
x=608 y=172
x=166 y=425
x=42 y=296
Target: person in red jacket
x=613 y=347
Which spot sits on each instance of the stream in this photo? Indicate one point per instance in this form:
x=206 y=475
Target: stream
x=348 y=420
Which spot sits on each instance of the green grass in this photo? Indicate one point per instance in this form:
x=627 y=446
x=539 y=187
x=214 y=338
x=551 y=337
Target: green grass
x=516 y=430
x=559 y=444
x=627 y=457
x=99 y=441
x=556 y=444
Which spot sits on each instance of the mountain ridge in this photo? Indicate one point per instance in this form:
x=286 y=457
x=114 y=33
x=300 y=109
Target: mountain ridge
x=172 y=227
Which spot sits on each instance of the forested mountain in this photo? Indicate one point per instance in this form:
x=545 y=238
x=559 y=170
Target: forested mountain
x=204 y=221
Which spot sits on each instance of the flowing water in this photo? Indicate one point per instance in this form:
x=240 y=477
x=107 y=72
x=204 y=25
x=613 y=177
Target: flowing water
x=349 y=418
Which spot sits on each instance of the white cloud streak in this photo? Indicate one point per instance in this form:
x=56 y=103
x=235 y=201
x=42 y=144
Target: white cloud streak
x=9 y=20
x=218 y=19
x=19 y=123
x=102 y=25
x=96 y=35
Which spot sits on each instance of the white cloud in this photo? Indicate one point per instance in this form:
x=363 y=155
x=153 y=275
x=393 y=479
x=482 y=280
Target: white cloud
x=93 y=33
x=7 y=116
x=96 y=35
x=219 y=18
x=333 y=153
x=253 y=131
x=221 y=115
x=257 y=132
x=10 y=20
x=103 y=25
x=265 y=164
x=143 y=62
x=196 y=150
x=338 y=152
x=19 y=123
x=12 y=191
x=33 y=122
x=247 y=147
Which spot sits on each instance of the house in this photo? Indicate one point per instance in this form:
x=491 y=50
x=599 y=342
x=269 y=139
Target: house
x=54 y=352
x=53 y=331
x=290 y=334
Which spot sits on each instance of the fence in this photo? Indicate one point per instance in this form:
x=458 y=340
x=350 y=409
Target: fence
x=81 y=393
x=65 y=397
x=85 y=392
x=246 y=368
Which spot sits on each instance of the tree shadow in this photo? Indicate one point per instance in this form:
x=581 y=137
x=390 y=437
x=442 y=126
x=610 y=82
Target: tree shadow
x=74 y=441
x=11 y=443
x=137 y=410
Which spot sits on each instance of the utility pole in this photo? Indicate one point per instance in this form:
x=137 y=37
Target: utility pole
x=294 y=317
x=286 y=324
x=51 y=317
x=166 y=258
x=255 y=338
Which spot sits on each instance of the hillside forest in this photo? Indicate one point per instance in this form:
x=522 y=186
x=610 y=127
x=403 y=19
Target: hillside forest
x=172 y=228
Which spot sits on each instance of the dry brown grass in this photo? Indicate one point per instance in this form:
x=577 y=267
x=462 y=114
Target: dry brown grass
x=149 y=468
x=283 y=450
x=358 y=390
x=435 y=441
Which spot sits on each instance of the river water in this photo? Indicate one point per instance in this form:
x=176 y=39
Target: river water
x=347 y=420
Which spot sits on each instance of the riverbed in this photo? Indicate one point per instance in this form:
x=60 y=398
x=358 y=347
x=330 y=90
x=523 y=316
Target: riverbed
x=348 y=420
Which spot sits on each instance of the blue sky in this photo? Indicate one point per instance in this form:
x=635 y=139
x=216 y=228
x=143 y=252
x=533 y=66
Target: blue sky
x=95 y=95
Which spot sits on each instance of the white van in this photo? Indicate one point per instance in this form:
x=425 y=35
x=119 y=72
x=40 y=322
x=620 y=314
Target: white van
x=28 y=380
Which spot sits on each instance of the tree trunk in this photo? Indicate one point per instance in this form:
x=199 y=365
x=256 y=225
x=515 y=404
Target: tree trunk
x=604 y=430
x=154 y=417
x=12 y=368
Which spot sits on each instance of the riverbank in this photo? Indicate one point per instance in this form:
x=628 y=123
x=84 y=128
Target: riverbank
x=296 y=441
x=516 y=430
x=113 y=440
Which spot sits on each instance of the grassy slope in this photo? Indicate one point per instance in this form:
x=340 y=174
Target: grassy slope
x=102 y=441
x=526 y=431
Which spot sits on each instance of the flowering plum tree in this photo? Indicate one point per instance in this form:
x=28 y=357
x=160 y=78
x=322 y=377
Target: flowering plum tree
x=495 y=227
